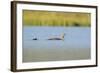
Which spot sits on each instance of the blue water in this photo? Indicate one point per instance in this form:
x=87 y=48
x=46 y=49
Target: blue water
x=77 y=39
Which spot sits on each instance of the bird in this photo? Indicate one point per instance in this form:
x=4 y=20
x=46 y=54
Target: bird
x=34 y=39
x=58 y=38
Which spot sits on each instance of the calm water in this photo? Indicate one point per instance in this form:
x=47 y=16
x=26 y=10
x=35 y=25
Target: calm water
x=75 y=46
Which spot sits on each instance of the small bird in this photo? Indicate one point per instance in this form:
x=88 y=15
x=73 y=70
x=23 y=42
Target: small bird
x=34 y=39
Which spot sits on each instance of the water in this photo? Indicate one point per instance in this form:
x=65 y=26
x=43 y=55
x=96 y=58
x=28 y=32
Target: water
x=75 y=46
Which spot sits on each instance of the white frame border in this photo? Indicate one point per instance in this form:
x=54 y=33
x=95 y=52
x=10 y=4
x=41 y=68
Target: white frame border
x=36 y=65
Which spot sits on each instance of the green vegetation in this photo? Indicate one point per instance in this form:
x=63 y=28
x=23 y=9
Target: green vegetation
x=51 y=18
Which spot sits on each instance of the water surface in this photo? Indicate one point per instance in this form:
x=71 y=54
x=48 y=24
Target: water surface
x=75 y=46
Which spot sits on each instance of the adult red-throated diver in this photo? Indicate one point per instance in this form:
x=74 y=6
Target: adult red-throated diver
x=58 y=38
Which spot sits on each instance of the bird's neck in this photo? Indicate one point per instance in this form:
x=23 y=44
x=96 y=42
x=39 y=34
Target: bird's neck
x=62 y=37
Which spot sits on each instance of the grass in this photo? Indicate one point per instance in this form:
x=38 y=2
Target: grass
x=51 y=18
